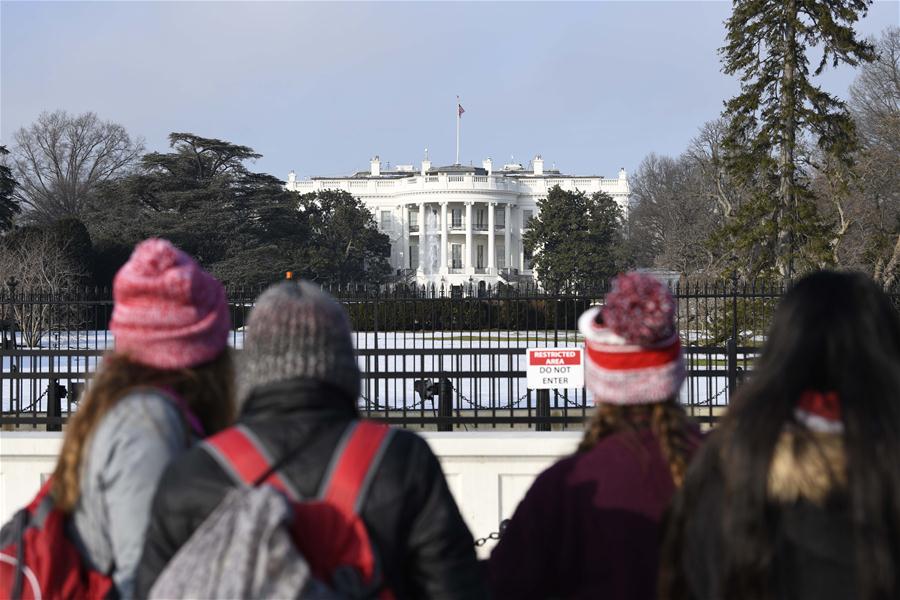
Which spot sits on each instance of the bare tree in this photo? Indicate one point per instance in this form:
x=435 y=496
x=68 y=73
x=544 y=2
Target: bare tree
x=863 y=199
x=875 y=102
x=875 y=95
x=706 y=155
x=672 y=215
x=61 y=159
x=42 y=265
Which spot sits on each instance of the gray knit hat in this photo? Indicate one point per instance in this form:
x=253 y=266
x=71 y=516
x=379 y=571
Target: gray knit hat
x=296 y=330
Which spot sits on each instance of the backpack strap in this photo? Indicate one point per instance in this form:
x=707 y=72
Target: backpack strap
x=353 y=465
x=242 y=455
x=190 y=416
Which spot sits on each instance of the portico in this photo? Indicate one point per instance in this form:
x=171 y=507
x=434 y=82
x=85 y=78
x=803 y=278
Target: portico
x=459 y=224
x=461 y=238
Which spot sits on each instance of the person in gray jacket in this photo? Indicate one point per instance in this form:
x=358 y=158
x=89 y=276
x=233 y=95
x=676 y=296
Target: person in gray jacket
x=168 y=382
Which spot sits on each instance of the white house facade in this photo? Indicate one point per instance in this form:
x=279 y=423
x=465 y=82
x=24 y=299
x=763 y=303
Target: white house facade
x=459 y=224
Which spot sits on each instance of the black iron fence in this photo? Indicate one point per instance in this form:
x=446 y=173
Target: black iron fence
x=430 y=357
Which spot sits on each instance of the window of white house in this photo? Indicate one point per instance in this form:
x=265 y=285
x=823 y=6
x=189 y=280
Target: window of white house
x=414 y=220
x=499 y=217
x=456 y=256
x=414 y=256
x=385 y=220
x=527 y=215
x=526 y=260
x=480 y=218
x=479 y=256
x=456 y=219
x=501 y=257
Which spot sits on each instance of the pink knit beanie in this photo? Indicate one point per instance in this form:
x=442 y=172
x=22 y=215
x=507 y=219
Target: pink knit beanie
x=633 y=353
x=168 y=313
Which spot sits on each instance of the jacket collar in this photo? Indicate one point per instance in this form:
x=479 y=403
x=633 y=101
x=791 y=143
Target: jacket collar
x=299 y=396
x=807 y=465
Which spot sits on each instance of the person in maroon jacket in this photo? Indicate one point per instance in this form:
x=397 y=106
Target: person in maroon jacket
x=590 y=525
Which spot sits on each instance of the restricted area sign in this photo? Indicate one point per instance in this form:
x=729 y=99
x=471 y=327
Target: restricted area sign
x=555 y=368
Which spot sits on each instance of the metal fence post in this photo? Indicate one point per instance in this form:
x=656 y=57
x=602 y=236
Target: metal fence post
x=445 y=403
x=734 y=306
x=55 y=394
x=731 y=345
x=377 y=358
x=543 y=410
x=731 y=359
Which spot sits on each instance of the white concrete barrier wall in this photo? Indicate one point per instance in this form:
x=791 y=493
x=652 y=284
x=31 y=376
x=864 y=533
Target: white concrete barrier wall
x=26 y=460
x=488 y=472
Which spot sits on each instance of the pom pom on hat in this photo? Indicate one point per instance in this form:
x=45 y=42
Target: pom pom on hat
x=640 y=309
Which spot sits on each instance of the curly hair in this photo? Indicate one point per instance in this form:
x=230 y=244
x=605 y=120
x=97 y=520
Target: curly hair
x=667 y=420
x=208 y=390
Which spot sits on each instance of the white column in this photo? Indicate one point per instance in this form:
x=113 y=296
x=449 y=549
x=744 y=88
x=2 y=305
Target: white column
x=445 y=240
x=421 y=269
x=404 y=237
x=492 y=258
x=469 y=264
x=507 y=237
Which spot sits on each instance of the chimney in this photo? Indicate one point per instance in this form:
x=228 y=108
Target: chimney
x=538 y=165
x=622 y=173
x=488 y=165
x=292 y=180
x=375 y=166
x=426 y=163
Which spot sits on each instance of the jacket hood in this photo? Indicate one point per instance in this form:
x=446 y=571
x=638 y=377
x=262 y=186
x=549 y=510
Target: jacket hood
x=807 y=465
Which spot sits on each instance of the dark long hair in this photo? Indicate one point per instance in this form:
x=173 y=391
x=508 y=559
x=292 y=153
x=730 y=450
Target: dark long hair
x=832 y=332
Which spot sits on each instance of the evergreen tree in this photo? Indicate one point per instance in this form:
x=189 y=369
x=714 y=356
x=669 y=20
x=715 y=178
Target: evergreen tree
x=9 y=206
x=344 y=245
x=768 y=46
x=243 y=226
x=575 y=239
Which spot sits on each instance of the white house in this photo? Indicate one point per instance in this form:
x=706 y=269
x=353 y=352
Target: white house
x=459 y=224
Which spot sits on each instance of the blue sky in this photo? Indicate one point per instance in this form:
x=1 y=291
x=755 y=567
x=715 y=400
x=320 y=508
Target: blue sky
x=319 y=88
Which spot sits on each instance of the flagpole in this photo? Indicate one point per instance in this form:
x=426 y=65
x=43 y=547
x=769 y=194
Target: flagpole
x=457 y=130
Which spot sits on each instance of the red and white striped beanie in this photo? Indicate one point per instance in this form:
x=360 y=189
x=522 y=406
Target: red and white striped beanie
x=633 y=353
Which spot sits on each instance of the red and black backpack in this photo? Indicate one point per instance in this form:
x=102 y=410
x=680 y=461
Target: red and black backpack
x=327 y=529
x=39 y=560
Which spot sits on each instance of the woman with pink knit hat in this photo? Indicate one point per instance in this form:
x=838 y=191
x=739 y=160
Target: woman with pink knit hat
x=589 y=527
x=168 y=382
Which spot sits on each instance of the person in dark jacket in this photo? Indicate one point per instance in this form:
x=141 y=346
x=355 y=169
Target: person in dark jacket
x=797 y=493
x=299 y=382
x=589 y=527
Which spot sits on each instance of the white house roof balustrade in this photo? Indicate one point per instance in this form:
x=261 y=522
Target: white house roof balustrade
x=459 y=224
